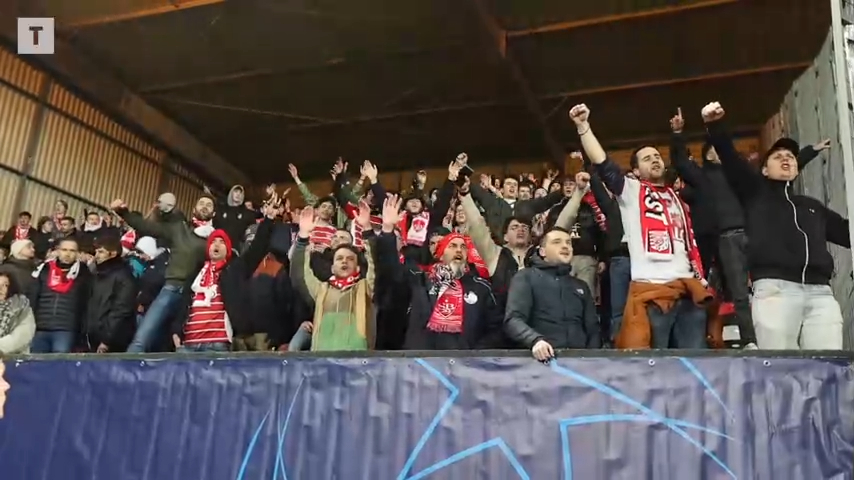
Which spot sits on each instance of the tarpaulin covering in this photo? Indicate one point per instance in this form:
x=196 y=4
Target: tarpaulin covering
x=465 y=418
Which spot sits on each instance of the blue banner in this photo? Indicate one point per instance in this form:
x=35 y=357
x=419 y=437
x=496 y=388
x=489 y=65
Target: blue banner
x=280 y=417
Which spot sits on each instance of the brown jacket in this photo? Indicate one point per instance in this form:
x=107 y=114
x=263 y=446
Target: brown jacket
x=636 y=333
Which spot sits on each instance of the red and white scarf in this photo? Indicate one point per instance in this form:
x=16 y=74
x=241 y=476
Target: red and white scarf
x=449 y=311
x=22 y=233
x=344 y=283
x=202 y=228
x=352 y=211
x=475 y=258
x=657 y=228
x=589 y=199
x=128 y=241
x=206 y=284
x=58 y=280
x=416 y=234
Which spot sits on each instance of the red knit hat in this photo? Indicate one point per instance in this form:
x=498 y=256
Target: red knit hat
x=224 y=236
x=443 y=243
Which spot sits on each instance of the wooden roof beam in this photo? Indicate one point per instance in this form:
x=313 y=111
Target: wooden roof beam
x=112 y=14
x=499 y=38
x=589 y=22
x=560 y=95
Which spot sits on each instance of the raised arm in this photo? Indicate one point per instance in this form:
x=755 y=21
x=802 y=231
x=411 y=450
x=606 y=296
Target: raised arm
x=810 y=153
x=680 y=157
x=309 y=197
x=742 y=177
x=301 y=275
x=135 y=220
x=371 y=175
x=836 y=229
x=259 y=247
x=479 y=232
x=362 y=223
x=389 y=269
x=443 y=201
x=569 y=213
x=608 y=171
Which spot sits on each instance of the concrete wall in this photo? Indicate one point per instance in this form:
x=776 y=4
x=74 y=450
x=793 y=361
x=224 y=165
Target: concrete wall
x=809 y=114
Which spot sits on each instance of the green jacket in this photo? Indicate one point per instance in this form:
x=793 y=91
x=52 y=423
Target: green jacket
x=187 y=249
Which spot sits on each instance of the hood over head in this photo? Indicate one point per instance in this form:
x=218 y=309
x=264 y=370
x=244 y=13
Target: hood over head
x=236 y=203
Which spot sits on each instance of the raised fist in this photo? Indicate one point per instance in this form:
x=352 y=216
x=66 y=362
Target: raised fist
x=712 y=112
x=579 y=114
x=117 y=204
x=582 y=180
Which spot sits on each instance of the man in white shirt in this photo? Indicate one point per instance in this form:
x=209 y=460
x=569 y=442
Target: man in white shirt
x=667 y=296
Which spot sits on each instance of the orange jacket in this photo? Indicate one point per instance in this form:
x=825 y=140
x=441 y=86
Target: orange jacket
x=636 y=333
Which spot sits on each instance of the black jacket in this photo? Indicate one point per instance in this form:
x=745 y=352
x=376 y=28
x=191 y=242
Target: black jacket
x=787 y=233
x=482 y=318
x=21 y=272
x=88 y=240
x=234 y=218
x=152 y=280
x=111 y=309
x=233 y=281
x=715 y=207
x=44 y=243
x=60 y=311
x=613 y=244
x=547 y=303
x=497 y=210
x=9 y=236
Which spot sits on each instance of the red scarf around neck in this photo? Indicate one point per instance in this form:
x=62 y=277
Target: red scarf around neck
x=200 y=223
x=657 y=228
x=344 y=283
x=475 y=259
x=22 y=233
x=58 y=280
x=448 y=312
x=211 y=273
x=589 y=199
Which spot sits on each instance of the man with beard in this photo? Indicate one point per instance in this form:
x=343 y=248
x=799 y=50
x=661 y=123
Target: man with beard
x=547 y=307
x=187 y=243
x=450 y=307
x=667 y=295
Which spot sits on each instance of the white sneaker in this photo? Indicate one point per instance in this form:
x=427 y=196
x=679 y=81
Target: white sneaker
x=751 y=346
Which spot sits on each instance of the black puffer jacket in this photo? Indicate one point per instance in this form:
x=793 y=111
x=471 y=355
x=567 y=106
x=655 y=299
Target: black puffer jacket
x=56 y=311
x=111 y=310
x=233 y=217
x=547 y=303
x=21 y=272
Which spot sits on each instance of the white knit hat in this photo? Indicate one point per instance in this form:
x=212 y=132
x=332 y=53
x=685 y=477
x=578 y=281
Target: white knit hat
x=18 y=246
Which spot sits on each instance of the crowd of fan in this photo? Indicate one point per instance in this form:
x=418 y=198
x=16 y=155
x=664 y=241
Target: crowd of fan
x=600 y=259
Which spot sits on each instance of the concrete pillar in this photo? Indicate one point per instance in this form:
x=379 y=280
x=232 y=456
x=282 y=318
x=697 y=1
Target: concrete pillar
x=818 y=107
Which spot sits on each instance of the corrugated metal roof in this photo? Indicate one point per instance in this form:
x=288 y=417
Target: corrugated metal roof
x=266 y=83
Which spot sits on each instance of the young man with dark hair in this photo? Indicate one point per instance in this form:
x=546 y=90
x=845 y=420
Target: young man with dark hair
x=22 y=230
x=667 y=296
x=547 y=307
x=793 y=306
x=111 y=314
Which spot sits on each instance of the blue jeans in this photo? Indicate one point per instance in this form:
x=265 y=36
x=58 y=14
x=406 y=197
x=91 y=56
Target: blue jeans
x=684 y=326
x=150 y=328
x=203 y=347
x=300 y=341
x=621 y=276
x=52 y=342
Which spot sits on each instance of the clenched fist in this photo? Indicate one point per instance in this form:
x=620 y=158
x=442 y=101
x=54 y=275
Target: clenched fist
x=713 y=112
x=582 y=180
x=117 y=204
x=579 y=114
